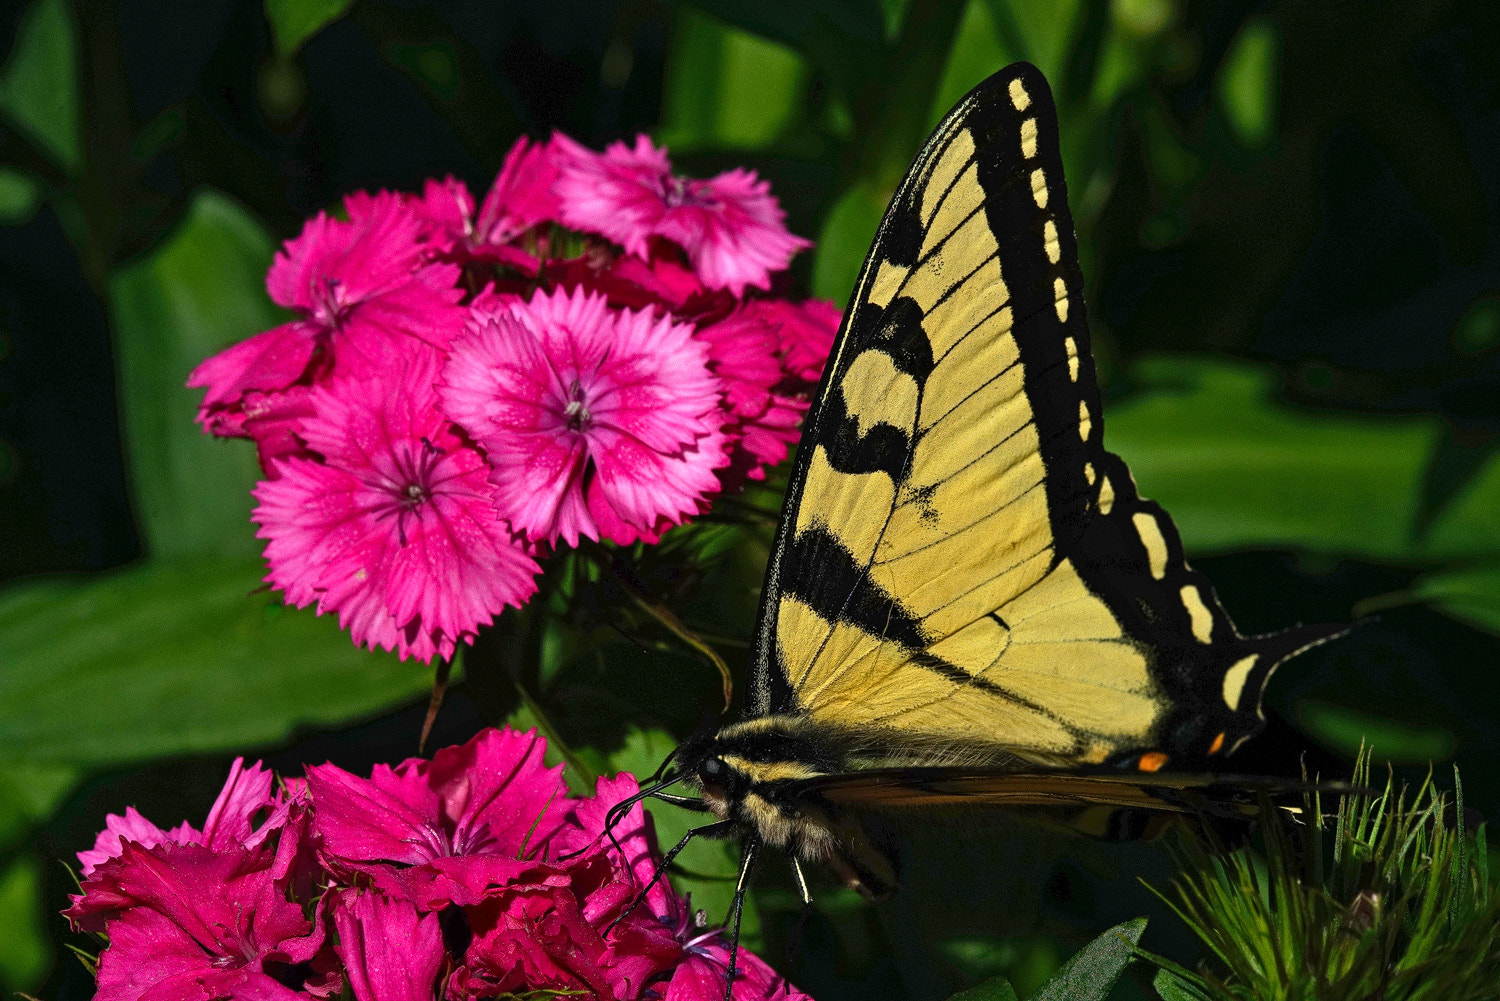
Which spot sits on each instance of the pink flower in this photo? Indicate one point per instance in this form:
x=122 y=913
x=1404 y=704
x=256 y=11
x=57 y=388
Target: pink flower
x=394 y=528
x=763 y=353
x=390 y=953
x=365 y=292
x=437 y=832
x=730 y=226
x=520 y=200
x=246 y=792
x=594 y=421
x=189 y=922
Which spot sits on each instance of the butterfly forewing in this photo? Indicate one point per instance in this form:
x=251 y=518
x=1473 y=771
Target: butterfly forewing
x=960 y=563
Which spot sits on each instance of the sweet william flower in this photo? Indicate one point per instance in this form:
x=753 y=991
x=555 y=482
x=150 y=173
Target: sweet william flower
x=365 y=292
x=730 y=226
x=389 y=951
x=194 y=923
x=246 y=792
x=390 y=523
x=595 y=422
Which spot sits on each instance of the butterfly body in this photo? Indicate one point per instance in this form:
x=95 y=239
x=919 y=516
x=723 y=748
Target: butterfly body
x=967 y=601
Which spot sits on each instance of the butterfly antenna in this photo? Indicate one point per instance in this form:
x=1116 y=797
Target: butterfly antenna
x=617 y=812
x=736 y=909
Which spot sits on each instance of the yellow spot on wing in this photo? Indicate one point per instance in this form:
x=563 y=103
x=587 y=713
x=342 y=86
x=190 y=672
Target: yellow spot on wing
x=1203 y=620
x=1039 y=187
x=1071 y=347
x=1234 y=681
x=1088 y=472
x=1085 y=423
x=1028 y=138
x=1106 y=496
x=888 y=279
x=1060 y=293
x=1049 y=237
x=1019 y=99
x=1152 y=539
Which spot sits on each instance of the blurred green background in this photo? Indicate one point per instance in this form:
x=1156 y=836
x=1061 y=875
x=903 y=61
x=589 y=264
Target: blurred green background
x=1288 y=214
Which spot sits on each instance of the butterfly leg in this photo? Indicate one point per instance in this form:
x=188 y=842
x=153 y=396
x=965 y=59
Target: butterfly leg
x=748 y=853
x=794 y=940
x=714 y=830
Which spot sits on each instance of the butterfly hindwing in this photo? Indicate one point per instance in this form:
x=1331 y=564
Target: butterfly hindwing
x=960 y=562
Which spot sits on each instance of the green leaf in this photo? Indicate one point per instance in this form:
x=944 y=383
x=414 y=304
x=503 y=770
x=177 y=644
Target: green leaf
x=1469 y=594
x=171 y=658
x=1171 y=987
x=201 y=290
x=39 y=83
x=842 y=37
x=1236 y=469
x=1093 y=970
x=978 y=50
x=996 y=989
x=846 y=237
x=1247 y=84
x=1347 y=730
x=25 y=955
x=20 y=195
x=728 y=88
x=293 y=22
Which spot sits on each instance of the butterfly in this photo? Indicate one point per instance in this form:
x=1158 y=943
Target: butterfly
x=967 y=602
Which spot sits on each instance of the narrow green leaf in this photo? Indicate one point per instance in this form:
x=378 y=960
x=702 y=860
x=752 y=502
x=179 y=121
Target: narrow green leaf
x=169 y=658
x=1247 y=84
x=39 y=83
x=979 y=49
x=293 y=22
x=1093 y=970
x=996 y=989
x=203 y=289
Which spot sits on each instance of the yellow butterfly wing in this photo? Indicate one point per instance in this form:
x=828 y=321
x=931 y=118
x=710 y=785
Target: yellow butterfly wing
x=962 y=571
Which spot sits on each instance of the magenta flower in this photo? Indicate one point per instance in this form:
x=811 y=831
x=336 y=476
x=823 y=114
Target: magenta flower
x=394 y=528
x=595 y=422
x=763 y=353
x=520 y=200
x=246 y=792
x=190 y=922
x=730 y=226
x=365 y=292
x=437 y=832
x=390 y=953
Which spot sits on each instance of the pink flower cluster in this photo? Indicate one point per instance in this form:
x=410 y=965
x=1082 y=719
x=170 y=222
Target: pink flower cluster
x=581 y=357
x=472 y=875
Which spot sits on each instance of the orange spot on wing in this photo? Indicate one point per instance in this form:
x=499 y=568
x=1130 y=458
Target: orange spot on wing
x=1217 y=745
x=1152 y=761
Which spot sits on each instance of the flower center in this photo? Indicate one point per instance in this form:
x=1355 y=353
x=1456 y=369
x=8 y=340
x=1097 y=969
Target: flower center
x=576 y=414
x=678 y=191
x=412 y=485
x=329 y=307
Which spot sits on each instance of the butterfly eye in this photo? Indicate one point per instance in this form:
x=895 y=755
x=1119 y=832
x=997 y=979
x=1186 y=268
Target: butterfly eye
x=712 y=772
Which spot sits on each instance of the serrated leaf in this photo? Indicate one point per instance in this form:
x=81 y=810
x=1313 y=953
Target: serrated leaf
x=293 y=22
x=1093 y=970
x=171 y=658
x=39 y=82
x=202 y=289
x=1171 y=987
x=995 y=989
